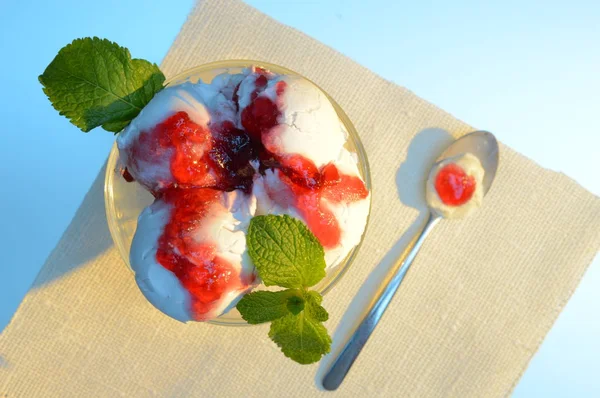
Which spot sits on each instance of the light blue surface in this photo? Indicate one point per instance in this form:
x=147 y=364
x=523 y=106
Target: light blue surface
x=527 y=72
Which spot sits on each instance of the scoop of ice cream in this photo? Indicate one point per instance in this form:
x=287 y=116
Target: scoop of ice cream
x=314 y=177
x=454 y=188
x=294 y=120
x=336 y=210
x=187 y=137
x=189 y=252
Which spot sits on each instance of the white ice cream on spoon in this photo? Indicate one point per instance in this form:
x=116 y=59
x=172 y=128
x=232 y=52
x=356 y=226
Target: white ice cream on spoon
x=454 y=188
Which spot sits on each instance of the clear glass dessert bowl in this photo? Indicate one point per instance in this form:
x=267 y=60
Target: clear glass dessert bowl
x=124 y=201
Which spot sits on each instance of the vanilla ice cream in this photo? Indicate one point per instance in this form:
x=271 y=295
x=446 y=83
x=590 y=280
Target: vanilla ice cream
x=219 y=225
x=307 y=124
x=148 y=153
x=274 y=196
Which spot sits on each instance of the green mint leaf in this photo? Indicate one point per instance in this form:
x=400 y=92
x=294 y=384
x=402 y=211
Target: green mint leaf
x=300 y=338
x=94 y=82
x=264 y=306
x=285 y=252
x=115 y=127
x=295 y=304
x=313 y=307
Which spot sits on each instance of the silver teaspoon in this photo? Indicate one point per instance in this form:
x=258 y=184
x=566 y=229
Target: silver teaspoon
x=485 y=147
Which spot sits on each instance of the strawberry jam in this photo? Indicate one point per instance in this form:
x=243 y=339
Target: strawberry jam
x=230 y=156
x=215 y=157
x=127 y=175
x=202 y=272
x=313 y=201
x=454 y=186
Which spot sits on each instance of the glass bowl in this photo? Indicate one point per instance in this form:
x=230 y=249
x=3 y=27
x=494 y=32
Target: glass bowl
x=125 y=201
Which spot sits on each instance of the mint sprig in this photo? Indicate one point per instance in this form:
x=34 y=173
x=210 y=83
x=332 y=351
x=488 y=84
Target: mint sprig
x=287 y=254
x=95 y=82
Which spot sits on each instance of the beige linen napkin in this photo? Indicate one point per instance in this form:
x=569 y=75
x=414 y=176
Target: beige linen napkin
x=474 y=308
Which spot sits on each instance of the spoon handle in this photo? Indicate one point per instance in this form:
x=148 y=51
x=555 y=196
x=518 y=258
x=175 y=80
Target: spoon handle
x=346 y=358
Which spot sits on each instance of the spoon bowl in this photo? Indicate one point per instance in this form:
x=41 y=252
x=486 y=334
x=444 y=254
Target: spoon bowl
x=484 y=146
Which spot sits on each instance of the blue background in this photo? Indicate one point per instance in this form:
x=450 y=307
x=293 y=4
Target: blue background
x=528 y=71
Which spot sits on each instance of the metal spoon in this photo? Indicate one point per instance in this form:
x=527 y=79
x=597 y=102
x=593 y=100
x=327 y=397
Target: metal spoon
x=485 y=147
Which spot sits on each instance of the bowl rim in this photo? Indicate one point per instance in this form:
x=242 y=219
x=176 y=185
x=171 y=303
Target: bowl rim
x=185 y=75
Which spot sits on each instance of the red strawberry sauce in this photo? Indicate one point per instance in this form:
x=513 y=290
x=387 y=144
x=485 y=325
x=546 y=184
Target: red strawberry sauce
x=453 y=185
x=197 y=265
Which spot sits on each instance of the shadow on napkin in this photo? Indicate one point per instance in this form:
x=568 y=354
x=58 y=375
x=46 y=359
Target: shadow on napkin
x=412 y=174
x=86 y=237
x=424 y=148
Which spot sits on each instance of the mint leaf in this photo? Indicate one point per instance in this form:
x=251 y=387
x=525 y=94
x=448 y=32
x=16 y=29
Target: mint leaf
x=313 y=306
x=295 y=304
x=263 y=306
x=115 y=127
x=285 y=252
x=94 y=82
x=300 y=338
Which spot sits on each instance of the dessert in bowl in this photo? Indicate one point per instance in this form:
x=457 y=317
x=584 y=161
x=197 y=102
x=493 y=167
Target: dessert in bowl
x=222 y=143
